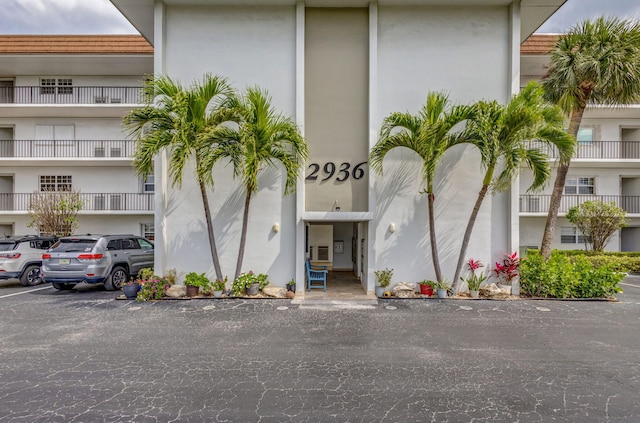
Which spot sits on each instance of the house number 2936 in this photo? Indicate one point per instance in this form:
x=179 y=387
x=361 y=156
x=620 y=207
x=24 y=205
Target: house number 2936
x=341 y=172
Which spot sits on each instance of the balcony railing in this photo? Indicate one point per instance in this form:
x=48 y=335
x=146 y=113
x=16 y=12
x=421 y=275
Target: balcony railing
x=598 y=150
x=540 y=203
x=66 y=148
x=71 y=95
x=91 y=202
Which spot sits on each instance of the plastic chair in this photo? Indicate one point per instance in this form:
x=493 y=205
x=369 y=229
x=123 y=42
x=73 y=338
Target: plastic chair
x=316 y=275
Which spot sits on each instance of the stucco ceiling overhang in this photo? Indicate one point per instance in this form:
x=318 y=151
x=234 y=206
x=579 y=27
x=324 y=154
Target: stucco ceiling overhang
x=534 y=12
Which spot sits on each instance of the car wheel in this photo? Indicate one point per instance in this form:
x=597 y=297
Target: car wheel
x=63 y=286
x=117 y=278
x=31 y=276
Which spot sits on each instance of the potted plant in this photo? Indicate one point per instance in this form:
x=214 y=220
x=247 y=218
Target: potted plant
x=507 y=272
x=426 y=287
x=131 y=289
x=475 y=280
x=291 y=285
x=218 y=287
x=194 y=282
x=383 y=279
x=249 y=284
x=441 y=287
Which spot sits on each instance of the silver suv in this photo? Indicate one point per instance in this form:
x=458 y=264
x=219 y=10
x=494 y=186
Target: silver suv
x=108 y=259
x=21 y=256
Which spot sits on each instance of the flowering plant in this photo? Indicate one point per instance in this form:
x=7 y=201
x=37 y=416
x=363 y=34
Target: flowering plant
x=475 y=280
x=153 y=289
x=509 y=269
x=245 y=280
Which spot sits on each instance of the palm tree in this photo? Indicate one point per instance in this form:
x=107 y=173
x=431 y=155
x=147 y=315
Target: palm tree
x=260 y=139
x=596 y=62
x=174 y=121
x=503 y=135
x=429 y=135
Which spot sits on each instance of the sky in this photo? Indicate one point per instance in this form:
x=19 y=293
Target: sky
x=101 y=17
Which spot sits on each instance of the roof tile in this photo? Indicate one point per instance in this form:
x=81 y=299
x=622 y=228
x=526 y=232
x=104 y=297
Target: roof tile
x=74 y=44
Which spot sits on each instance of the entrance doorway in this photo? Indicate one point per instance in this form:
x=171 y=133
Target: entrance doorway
x=341 y=247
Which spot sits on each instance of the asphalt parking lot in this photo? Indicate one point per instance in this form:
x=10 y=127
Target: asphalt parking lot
x=86 y=357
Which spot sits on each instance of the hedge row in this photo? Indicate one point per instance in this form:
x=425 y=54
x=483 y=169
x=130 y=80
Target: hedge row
x=565 y=276
x=625 y=261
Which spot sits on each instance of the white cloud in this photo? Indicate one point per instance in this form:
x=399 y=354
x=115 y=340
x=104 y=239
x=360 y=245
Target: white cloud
x=62 y=17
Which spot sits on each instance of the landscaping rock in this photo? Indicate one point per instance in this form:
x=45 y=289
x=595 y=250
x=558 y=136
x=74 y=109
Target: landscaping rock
x=274 y=292
x=404 y=290
x=176 y=291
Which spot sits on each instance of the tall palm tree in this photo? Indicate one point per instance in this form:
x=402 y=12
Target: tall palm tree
x=173 y=121
x=260 y=139
x=596 y=62
x=504 y=136
x=429 y=134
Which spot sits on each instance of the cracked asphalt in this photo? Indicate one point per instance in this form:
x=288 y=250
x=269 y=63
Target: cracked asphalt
x=86 y=357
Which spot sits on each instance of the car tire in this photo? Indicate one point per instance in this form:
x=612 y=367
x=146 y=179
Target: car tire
x=31 y=276
x=63 y=286
x=116 y=279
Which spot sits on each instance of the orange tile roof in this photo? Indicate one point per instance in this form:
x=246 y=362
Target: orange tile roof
x=539 y=44
x=74 y=44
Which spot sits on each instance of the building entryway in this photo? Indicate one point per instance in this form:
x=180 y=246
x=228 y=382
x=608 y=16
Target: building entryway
x=341 y=248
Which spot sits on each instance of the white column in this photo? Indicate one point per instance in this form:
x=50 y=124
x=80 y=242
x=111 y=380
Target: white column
x=514 y=191
x=300 y=230
x=373 y=138
x=161 y=177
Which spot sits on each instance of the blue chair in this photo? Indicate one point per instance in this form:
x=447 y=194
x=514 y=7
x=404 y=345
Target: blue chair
x=316 y=275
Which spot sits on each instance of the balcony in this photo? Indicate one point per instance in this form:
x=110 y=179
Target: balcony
x=66 y=149
x=540 y=203
x=96 y=202
x=598 y=150
x=71 y=95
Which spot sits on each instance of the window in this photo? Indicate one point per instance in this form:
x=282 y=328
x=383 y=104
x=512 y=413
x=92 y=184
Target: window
x=147 y=232
x=55 y=183
x=571 y=235
x=586 y=135
x=64 y=86
x=148 y=184
x=47 y=86
x=579 y=185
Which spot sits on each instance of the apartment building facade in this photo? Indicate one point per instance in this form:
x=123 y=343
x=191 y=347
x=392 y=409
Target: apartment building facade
x=62 y=99
x=338 y=68
x=606 y=167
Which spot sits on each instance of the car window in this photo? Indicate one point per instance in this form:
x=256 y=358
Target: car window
x=130 y=244
x=7 y=246
x=73 y=245
x=144 y=244
x=42 y=244
x=114 y=244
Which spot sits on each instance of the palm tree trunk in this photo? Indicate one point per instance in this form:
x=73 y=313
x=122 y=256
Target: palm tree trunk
x=432 y=236
x=243 y=235
x=467 y=234
x=558 y=189
x=212 y=240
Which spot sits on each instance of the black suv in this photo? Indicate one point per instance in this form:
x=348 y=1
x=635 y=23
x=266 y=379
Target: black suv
x=21 y=257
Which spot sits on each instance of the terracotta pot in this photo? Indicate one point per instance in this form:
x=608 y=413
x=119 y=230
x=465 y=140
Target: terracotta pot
x=426 y=290
x=192 y=291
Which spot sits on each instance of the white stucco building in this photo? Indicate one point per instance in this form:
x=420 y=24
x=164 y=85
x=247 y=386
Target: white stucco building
x=606 y=167
x=340 y=67
x=62 y=99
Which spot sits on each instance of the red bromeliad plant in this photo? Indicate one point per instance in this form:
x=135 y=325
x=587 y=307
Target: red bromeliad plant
x=509 y=269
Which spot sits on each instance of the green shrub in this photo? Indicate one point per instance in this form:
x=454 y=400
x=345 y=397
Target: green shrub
x=568 y=277
x=623 y=261
x=199 y=280
x=245 y=280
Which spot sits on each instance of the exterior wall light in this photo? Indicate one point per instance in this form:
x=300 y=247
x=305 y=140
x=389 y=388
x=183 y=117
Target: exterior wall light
x=392 y=227
x=276 y=227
